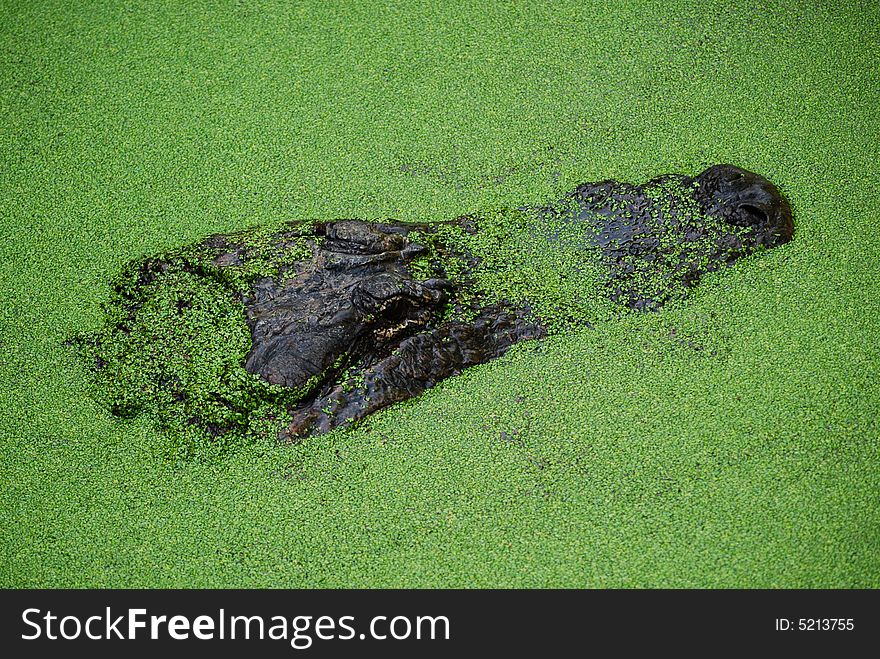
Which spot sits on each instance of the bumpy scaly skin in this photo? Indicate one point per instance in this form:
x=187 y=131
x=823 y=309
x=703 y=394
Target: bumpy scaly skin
x=355 y=319
x=337 y=314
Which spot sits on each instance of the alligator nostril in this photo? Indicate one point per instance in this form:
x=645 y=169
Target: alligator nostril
x=748 y=215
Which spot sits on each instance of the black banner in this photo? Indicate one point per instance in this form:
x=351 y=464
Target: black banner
x=400 y=623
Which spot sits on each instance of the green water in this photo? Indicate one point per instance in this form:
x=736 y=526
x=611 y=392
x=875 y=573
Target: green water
x=729 y=440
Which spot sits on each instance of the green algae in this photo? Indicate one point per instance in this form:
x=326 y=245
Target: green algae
x=623 y=455
x=517 y=262
x=515 y=257
x=174 y=339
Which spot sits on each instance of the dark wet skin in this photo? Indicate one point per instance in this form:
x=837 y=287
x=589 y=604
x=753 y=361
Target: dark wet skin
x=358 y=307
x=355 y=331
x=639 y=237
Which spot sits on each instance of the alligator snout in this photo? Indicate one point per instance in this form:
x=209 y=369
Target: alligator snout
x=749 y=200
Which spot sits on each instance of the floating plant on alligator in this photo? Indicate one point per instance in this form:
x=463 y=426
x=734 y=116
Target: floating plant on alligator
x=295 y=329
